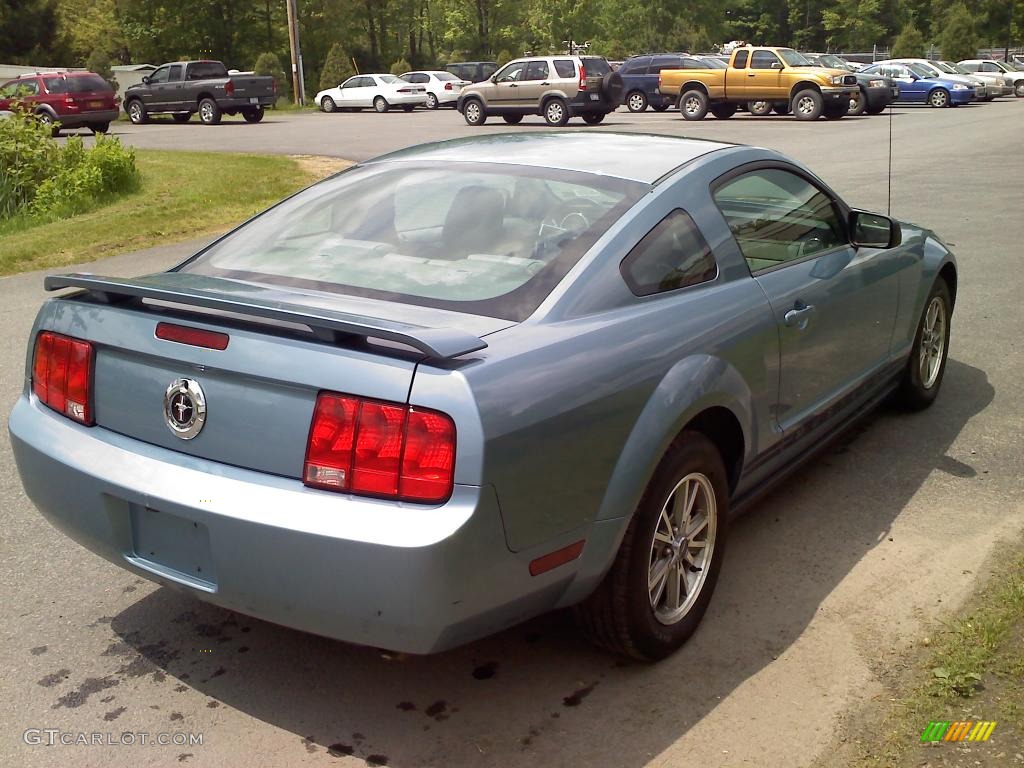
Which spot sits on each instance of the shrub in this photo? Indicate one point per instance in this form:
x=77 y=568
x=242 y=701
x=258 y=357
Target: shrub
x=337 y=68
x=400 y=67
x=269 y=64
x=40 y=178
x=959 y=37
x=909 y=44
x=504 y=57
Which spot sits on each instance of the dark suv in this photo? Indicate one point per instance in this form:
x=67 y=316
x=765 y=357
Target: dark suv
x=472 y=71
x=640 y=78
x=64 y=99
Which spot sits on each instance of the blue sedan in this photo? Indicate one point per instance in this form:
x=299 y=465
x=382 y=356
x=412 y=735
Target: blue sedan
x=467 y=383
x=919 y=85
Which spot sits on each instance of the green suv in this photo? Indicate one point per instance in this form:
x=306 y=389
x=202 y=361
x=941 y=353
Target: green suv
x=555 y=87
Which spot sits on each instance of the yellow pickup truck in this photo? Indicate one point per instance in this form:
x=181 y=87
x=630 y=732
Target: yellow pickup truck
x=780 y=77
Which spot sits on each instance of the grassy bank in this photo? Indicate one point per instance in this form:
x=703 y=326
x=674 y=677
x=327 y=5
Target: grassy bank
x=972 y=669
x=182 y=195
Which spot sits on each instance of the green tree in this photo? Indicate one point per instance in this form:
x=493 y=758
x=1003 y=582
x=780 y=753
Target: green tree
x=504 y=57
x=269 y=64
x=853 y=25
x=909 y=44
x=958 y=38
x=337 y=68
x=29 y=33
x=400 y=67
x=99 y=62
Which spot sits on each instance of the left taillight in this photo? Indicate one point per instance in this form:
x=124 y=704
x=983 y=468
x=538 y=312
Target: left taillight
x=62 y=375
x=375 y=448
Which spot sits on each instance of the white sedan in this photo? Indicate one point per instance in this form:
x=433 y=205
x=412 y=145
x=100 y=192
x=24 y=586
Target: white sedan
x=443 y=88
x=378 y=91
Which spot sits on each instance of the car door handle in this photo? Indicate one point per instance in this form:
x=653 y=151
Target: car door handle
x=799 y=315
x=751 y=74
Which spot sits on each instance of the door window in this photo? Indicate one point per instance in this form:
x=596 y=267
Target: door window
x=664 y=62
x=765 y=60
x=536 y=70
x=175 y=75
x=160 y=76
x=352 y=82
x=512 y=73
x=20 y=88
x=672 y=255
x=778 y=217
x=740 y=62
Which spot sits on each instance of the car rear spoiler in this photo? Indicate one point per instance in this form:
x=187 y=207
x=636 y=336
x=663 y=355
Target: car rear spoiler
x=436 y=343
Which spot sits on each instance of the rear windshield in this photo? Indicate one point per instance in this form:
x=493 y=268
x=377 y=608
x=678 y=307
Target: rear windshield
x=445 y=76
x=76 y=84
x=206 y=70
x=388 y=79
x=471 y=237
x=596 y=66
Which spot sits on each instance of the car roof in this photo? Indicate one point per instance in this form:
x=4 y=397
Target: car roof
x=631 y=156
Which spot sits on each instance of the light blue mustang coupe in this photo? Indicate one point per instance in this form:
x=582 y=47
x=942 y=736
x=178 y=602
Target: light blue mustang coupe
x=463 y=384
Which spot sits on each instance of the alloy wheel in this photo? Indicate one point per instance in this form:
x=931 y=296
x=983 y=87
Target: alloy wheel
x=692 y=105
x=933 y=342
x=805 y=106
x=681 y=552
x=555 y=112
x=636 y=102
x=206 y=112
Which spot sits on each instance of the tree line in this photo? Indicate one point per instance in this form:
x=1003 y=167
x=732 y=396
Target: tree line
x=375 y=35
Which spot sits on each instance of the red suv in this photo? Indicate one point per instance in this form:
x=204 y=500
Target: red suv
x=64 y=99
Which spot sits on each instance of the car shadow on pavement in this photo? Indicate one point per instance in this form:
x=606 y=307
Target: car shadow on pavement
x=508 y=699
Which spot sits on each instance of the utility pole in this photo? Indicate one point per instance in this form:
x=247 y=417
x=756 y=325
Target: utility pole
x=1009 y=34
x=293 y=42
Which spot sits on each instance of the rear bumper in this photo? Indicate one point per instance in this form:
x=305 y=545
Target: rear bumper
x=404 y=99
x=233 y=105
x=882 y=96
x=404 y=577
x=590 y=101
x=88 y=118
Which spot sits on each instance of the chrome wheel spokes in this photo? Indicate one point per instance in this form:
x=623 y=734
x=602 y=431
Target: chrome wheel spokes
x=933 y=342
x=682 y=547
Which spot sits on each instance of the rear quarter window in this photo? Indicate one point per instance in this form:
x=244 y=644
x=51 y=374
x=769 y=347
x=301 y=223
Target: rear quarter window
x=565 y=68
x=596 y=66
x=673 y=255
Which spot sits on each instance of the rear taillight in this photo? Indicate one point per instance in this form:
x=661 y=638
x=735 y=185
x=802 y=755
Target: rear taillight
x=229 y=88
x=273 y=86
x=62 y=375
x=408 y=90
x=374 y=448
x=197 y=337
x=448 y=86
x=583 y=77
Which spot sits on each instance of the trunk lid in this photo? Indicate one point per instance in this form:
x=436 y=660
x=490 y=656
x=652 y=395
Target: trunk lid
x=261 y=389
x=252 y=85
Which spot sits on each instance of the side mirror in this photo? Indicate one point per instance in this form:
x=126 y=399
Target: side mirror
x=145 y=79
x=776 y=65
x=493 y=78
x=873 y=230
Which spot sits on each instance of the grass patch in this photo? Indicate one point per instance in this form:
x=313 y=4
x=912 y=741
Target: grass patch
x=972 y=669
x=181 y=195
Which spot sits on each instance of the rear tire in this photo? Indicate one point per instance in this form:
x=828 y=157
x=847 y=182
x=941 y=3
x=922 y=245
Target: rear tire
x=807 y=105
x=253 y=115
x=432 y=102
x=593 y=118
x=209 y=112
x=627 y=615
x=693 y=105
x=181 y=117
x=137 y=112
x=759 y=108
x=512 y=119
x=927 y=364
x=381 y=105
x=473 y=112
x=636 y=101
x=723 y=111
x=556 y=112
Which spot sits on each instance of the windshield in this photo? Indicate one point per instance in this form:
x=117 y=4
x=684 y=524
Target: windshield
x=446 y=76
x=793 y=59
x=486 y=239
x=920 y=70
x=828 y=60
x=944 y=67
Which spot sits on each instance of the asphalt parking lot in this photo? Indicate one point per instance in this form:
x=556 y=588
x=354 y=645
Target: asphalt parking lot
x=825 y=583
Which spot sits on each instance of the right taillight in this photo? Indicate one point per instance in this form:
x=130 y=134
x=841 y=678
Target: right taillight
x=583 y=77
x=62 y=375
x=382 y=449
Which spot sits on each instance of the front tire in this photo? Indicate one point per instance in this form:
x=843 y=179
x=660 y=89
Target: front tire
x=556 y=112
x=723 y=111
x=636 y=101
x=808 y=105
x=693 y=105
x=677 y=532
x=209 y=112
x=473 y=112
x=327 y=104
x=381 y=105
x=858 y=105
x=1018 y=89
x=593 y=118
x=927 y=364
x=512 y=119
x=938 y=98
x=137 y=112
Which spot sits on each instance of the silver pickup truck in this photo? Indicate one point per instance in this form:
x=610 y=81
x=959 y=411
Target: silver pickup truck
x=183 y=88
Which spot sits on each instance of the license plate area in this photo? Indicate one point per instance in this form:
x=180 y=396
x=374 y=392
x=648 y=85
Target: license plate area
x=254 y=100
x=95 y=105
x=172 y=546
